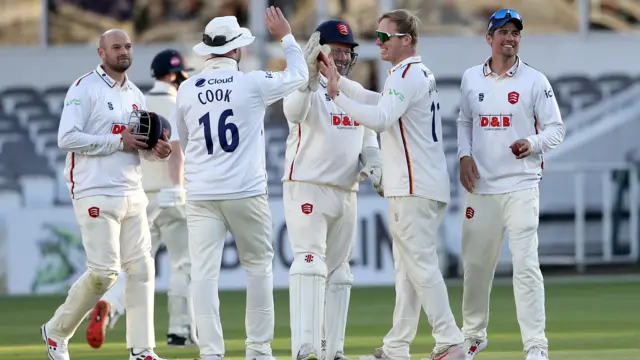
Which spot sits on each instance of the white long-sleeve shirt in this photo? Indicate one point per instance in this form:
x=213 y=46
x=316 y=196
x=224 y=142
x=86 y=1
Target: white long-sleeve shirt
x=407 y=117
x=220 y=118
x=495 y=111
x=96 y=110
x=324 y=143
x=161 y=99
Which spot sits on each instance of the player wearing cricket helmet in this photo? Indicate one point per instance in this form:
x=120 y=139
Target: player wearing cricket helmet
x=322 y=175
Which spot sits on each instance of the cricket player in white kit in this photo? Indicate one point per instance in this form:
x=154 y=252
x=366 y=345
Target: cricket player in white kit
x=163 y=185
x=322 y=174
x=103 y=167
x=508 y=119
x=220 y=118
x=416 y=182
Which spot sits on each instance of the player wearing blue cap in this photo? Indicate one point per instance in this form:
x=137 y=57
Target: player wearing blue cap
x=322 y=175
x=508 y=119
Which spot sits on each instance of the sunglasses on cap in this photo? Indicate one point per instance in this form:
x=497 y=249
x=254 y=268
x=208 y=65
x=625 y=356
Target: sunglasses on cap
x=385 y=36
x=502 y=16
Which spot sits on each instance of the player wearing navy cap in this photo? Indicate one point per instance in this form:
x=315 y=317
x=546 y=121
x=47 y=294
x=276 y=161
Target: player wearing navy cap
x=508 y=119
x=322 y=175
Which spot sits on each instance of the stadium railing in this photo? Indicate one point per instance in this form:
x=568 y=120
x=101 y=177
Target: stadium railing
x=580 y=172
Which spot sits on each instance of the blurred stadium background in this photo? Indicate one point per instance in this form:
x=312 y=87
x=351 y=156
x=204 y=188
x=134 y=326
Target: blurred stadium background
x=590 y=194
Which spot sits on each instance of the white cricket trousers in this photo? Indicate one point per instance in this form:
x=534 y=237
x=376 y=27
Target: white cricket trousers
x=485 y=221
x=414 y=224
x=321 y=220
x=168 y=226
x=115 y=235
x=249 y=222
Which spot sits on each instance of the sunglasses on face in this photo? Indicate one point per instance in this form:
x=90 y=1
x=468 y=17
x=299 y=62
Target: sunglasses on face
x=385 y=36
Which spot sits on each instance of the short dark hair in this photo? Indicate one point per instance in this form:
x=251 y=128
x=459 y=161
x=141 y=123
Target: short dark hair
x=406 y=21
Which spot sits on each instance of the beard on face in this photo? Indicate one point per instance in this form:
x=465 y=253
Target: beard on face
x=121 y=65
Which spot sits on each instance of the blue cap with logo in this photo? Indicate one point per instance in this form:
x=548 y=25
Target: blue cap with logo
x=501 y=17
x=336 y=31
x=166 y=62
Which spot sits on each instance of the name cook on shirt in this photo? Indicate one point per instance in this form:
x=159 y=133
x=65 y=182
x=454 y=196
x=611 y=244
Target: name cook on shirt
x=217 y=95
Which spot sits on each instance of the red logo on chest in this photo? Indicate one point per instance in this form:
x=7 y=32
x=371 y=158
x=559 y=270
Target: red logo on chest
x=343 y=121
x=513 y=97
x=495 y=122
x=118 y=128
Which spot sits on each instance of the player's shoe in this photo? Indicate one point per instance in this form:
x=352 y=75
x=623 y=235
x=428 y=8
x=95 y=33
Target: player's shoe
x=536 y=353
x=379 y=354
x=144 y=355
x=98 y=322
x=473 y=347
x=307 y=352
x=211 y=357
x=56 y=349
x=340 y=356
x=454 y=352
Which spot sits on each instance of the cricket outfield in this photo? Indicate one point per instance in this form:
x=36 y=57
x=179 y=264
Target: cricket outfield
x=586 y=320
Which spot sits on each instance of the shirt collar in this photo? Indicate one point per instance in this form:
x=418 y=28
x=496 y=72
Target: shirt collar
x=109 y=80
x=164 y=87
x=409 y=60
x=221 y=63
x=512 y=71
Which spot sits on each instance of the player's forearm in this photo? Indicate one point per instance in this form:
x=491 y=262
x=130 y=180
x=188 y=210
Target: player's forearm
x=370 y=116
x=183 y=134
x=296 y=106
x=176 y=164
x=548 y=139
x=88 y=144
x=465 y=133
x=370 y=139
x=296 y=71
x=356 y=92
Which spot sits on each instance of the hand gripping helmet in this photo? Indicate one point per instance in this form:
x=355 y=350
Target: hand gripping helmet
x=339 y=32
x=151 y=125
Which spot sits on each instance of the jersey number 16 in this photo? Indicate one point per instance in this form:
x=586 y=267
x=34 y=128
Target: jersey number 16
x=223 y=127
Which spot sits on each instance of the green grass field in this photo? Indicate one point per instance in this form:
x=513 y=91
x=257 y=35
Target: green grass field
x=585 y=321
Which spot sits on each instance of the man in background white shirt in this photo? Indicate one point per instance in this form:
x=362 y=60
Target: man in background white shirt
x=220 y=118
x=416 y=182
x=97 y=129
x=508 y=119
x=322 y=172
x=163 y=185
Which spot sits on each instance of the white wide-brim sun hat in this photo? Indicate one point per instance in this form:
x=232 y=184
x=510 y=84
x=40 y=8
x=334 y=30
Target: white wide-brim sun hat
x=221 y=35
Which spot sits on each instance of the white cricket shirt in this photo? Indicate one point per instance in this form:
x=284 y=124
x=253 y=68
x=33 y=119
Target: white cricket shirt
x=408 y=118
x=220 y=119
x=161 y=99
x=324 y=143
x=495 y=111
x=96 y=110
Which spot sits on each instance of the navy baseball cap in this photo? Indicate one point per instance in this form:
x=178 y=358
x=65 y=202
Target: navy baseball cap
x=166 y=62
x=336 y=31
x=501 y=17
